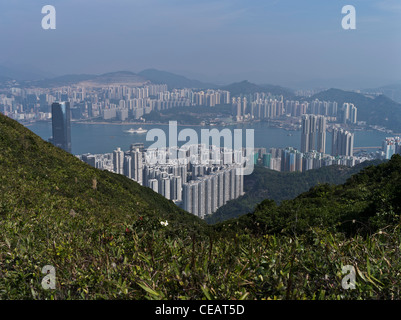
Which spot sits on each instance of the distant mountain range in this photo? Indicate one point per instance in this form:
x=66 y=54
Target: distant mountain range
x=246 y=87
x=120 y=77
x=173 y=80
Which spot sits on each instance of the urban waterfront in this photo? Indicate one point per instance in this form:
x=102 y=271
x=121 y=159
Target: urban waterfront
x=104 y=138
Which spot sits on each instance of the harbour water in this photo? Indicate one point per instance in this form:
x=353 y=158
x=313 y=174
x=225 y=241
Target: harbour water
x=104 y=138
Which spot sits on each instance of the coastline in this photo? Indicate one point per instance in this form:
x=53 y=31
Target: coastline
x=113 y=123
x=135 y=123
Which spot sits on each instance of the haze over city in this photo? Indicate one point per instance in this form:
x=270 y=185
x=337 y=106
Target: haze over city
x=290 y=43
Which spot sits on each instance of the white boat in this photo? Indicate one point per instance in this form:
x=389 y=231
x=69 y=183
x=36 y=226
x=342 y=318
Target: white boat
x=137 y=131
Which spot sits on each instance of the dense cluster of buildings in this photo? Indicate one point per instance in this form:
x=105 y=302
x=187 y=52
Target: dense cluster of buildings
x=328 y=109
x=122 y=102
x=197 y=178
x=291 y=160
x=262 y=106
x=109 y=102
x=313 y=148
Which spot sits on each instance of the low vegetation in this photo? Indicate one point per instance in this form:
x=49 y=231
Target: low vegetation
x=103 y=235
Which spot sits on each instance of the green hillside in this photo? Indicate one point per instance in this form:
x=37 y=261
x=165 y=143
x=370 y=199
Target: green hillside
x=102 y=233
x=264 y=183
x=55 y=209
x=367 y=202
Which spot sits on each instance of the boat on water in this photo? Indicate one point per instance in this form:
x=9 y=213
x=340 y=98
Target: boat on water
x=137 y=131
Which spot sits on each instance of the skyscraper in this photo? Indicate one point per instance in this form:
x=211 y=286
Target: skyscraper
x=154 y=185
x=165 y=188
x=305 y=133
x=313 y=136
x=118 y=161
x=321 y=134
x=176 y=188
x=354 y=115
x=137 y=164
x=61 y=126
x=201 y=198
x=342 y=143
x=187 y=197
x=208 y=195
x=348 y=113
x=127 y=166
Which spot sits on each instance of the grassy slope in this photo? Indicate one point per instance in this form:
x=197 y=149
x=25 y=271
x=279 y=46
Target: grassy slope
x=35 y=175
x=40 y=186
x=108 y=251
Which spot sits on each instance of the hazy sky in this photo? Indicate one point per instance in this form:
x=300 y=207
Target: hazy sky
x=266 y=41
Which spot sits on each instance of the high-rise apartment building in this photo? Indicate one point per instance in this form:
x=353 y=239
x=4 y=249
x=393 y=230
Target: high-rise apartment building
x=348 y=113
x=342 y=143
x=313 y=136
x=118 y=161
x=61 y=125
x=137 y=164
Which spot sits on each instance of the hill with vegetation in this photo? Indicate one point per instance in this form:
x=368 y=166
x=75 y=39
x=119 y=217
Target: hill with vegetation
x=173 y=80
x=55 y=209
x=245 y=87
x=392 y=91
x=380 y=110
x=365 y=203
x=102 y=233
x=264 y=184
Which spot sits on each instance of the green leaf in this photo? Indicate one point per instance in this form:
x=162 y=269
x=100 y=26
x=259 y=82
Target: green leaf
x=148 y=289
